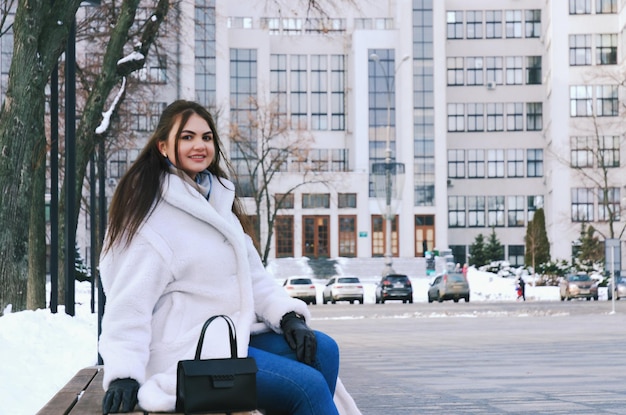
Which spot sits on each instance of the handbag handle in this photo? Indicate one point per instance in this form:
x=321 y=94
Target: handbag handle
x=231 y=334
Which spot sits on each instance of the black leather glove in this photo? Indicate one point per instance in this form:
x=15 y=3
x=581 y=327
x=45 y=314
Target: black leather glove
x=299 y=337
x=121 y=396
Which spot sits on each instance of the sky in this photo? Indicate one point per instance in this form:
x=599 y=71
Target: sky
x=40 y=351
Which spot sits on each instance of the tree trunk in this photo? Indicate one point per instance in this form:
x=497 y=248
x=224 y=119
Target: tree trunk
x=36 y=291
x=39 y=36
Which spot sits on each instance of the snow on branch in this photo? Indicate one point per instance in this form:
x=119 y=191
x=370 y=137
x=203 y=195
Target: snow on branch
x=106 y=116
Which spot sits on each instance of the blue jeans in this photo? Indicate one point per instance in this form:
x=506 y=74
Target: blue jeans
x=287 y=386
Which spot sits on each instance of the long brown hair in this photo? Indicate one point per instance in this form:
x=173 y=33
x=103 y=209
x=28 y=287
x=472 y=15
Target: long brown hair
x=139 y=190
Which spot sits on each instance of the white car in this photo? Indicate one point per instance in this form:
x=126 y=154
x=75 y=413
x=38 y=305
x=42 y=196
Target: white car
x=302 y=288
x=343 y=289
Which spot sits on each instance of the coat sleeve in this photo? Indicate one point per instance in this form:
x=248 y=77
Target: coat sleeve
x=133 y=277
x=271 y=301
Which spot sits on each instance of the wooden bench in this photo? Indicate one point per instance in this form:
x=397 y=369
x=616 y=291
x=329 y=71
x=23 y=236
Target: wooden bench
x=83 y=394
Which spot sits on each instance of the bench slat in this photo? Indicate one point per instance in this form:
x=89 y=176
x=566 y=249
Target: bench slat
x=64 y=400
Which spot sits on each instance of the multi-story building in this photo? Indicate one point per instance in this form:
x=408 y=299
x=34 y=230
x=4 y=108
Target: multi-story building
x=494 y=108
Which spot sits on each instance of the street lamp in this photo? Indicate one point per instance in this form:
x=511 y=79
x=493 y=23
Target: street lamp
x=388 y=177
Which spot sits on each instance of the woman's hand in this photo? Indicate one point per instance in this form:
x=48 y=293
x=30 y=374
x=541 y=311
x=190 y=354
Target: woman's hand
x=121 y=396
x=299 y=337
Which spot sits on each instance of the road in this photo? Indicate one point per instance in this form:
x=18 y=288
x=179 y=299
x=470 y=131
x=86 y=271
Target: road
x=481 y=358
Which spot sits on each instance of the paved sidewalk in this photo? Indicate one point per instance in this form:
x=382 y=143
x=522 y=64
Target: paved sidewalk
x=552 y=364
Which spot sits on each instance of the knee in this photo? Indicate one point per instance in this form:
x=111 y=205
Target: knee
x=326 y=345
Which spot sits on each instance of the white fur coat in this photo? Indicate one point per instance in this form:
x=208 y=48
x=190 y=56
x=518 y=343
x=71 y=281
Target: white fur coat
x=189 y=260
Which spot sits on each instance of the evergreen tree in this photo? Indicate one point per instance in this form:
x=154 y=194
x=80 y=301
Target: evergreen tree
x=494 y=251
x=591 y=248
x=477 y=251
x=536 y=239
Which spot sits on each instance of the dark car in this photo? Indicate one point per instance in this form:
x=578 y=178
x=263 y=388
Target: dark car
x=578 y=286
x=620 y=288
x=394 y=287
x=449 y=286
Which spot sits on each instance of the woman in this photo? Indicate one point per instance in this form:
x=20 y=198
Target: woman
x=175 y=254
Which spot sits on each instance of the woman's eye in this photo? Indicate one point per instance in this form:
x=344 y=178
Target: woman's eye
x=207 y=137
x=186 y=137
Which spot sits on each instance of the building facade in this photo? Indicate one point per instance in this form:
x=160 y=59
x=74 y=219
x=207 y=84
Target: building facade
x=493 y=108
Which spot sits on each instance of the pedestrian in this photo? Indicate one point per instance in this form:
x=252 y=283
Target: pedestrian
x=521 y=288
x=464 y=270
x=178 y=251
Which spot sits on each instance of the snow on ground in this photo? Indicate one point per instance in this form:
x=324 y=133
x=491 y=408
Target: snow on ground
x=41 y=351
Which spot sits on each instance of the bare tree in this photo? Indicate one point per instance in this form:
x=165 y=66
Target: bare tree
x=265 y=147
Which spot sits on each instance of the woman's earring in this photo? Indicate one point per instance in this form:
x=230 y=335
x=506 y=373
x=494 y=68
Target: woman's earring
x=165 y=155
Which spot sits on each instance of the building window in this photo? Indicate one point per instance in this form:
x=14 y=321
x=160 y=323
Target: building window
x=533 y=70
x=284 y=200
x=514 y=72
x=534 y=116
x=278 y=86
x=579 y=6
x=424 y=234
x=319 y=92
x=579 y=50
x=347 y=236
x=456 y=117
x=493 y=69
x=120 y=161
x=475 y=164
x=515 y=116
x=495 y=117
x=533 y=23
x=534 y=162
x=495 y=163
x=455 y=24
x=606 y=6
x=283 y=226
x=476 y=211
x=493 y=24
x=582 y=204
x=475 y=71
x=606 y=49
x=609 y=204
x=337 y=93
x=516 y=211
x=456 y=164
x=495 y=211
x=315 y=200
x=516 y=255
x=580 y=101
x=534 y=203
x=581 y=152
x=607 y=100
x=513 y=23
x=292 y=26
x=455 y=71
x=298 y=91
x=474 y=24
x=346 y=200
x=515 y=162
x=608 y=151
x=475 y=117
x=339 y=159
x=456 y=211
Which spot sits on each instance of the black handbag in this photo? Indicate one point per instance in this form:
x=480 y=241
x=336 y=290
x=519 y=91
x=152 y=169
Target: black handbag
x=216 y=385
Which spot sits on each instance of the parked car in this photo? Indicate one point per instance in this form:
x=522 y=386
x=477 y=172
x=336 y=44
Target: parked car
x=302 y=288
x=394 y=287
x=449 y=286
x=578 y=286
x=620 y=288
x=343 y=289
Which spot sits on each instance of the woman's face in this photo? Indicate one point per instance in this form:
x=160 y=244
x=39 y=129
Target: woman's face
x=195 y=146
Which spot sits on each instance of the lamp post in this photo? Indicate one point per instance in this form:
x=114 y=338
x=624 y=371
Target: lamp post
x=388 y=177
